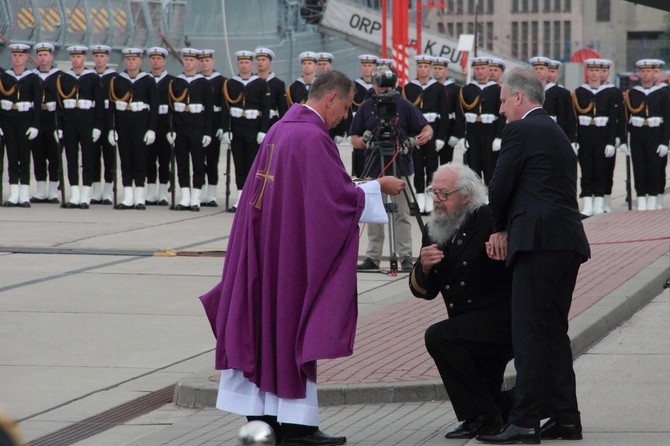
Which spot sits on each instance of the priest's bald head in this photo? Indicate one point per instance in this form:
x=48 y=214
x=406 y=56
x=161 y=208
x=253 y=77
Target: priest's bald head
x=331 y=96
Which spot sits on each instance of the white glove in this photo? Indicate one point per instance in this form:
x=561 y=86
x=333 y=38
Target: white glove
x=260 y=137
x=1 y=133
x=149 y=137
x=609 y=151
x=112 y=137
x=623 y=148
x=452 y=141
x=206 y=140
x=31 y=133
x=460 y=145
x=496 y=145
x=171 y=137
x=219 y=134
x=575 y=147
x=439 y=144
x=96 y=135
x=662 y=150
x=617 y=141
x=227 y=137
x=58 y=134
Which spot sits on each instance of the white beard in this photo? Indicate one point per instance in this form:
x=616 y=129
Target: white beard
x=442 y=226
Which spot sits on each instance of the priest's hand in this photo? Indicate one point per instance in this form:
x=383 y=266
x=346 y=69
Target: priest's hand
x=391 y=185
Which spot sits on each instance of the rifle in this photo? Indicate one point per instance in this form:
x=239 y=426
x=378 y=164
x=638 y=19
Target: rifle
x=2 y=164
x=115 y=164
x=629 y=192
x=61 y=170
x=173 y=168
x=228 y=156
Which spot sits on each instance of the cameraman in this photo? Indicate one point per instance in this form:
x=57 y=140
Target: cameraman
x=406 y=121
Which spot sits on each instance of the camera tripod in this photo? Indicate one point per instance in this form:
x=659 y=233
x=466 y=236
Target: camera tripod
x=386 y=153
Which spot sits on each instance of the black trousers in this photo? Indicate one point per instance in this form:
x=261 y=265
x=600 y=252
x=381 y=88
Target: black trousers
x=103 y=149
x=542 y=287
x=479 y=154
x=592 y=161
x=158 y=156
x=189 y=144
x=244 y=147
x=46 y=154
x=212 y=155
x=472 y=371
x=648 y=169
x=425 y=164
x=446 y=155
x=131 y=128
x=78 y=134
x=18 y=147
x=358 y=162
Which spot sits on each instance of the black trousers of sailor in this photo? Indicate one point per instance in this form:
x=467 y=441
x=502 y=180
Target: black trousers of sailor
x=472 y=371
x=103 y=149
x=131 y=127
x=18 y=147
x=648 y=167
x=75 y=135
x=212 y=155
x=592 y=162
x=158 y=155
x=189 y=145
x=542 y=286
x=244 y=147
x=425 y=162
x=479 y=156
x=46 y=153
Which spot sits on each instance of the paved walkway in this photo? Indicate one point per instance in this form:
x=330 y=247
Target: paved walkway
x=94 y=323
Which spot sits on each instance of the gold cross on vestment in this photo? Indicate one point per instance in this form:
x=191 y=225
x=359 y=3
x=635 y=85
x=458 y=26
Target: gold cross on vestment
x=266 y=176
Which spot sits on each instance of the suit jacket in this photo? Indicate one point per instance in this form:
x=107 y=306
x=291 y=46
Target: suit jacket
x=533 y=192
x=476 y=289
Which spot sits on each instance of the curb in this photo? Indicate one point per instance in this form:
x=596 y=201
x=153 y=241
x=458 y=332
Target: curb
x=585 y=330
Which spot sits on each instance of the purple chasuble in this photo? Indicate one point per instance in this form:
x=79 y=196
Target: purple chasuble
x=288 y=292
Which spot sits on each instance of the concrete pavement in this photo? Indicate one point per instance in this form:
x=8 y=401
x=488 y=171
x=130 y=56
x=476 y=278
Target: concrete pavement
x=93 y=323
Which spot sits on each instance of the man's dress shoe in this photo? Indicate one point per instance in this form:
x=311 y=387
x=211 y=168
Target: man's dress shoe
x=512 y=434
x=367 y=264
x=551 y=430
x=481 y=425
x=315 y=438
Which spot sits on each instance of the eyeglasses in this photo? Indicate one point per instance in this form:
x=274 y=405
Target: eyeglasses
x=442 y=196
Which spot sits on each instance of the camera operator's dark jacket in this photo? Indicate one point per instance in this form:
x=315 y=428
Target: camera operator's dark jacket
x=476 y=289
x=408 y=122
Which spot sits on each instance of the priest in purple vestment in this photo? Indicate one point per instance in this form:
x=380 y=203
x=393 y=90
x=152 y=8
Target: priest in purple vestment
x=287 y=297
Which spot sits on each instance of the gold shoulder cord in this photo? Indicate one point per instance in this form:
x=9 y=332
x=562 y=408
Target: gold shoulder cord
x=419 y=100
x=61 y=94
x=289 y=99
x=579 y=110
x=629 y=107
x=230 y=100
x=465 y=105
x=9 y=92
x=128 y=97
x=173 y=98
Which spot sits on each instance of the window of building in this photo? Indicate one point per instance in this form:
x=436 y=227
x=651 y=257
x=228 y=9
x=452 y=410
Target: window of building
x=547 y=6
x=534 y=6
x=556 y=54
x=567 y=5
x=471 y=6
x=567 y=38
x=524 y=40
x=489 y=9
x=557 y=5
x=471 y=28
x=546 y=38
x=515 y=40
x=459 y=6
x=603 y=10
x=534 y=38
x=515 y=6
x=459 y=28
x=450 y=29
x=489 y=36
x=524 y=5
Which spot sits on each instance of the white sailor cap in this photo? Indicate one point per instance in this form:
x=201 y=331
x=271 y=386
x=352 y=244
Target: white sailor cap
x=325 y=57
x=648 y=63
x=368 y=58
x=205 y=54
x=245 y=55
x=19 y=48
x=307 y=56
x=44 y=46
x=77 y=49
x=384 y=61
x=264 y=52
x=606 y=63
x=480 y=62
x=424 y=59
x=132 y=52
x=157 y=51
x=660 y=63
x=190 y=52
x=100 y=49
x=497 y=62
x=539 y=61
x=554 y=64
x=593 y=63
x=440 y=61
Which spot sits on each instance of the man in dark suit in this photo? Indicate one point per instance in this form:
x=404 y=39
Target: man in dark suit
x=473 y=346
x=540 y=235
